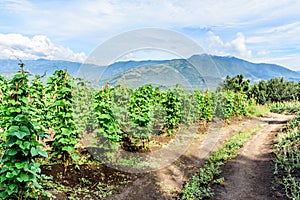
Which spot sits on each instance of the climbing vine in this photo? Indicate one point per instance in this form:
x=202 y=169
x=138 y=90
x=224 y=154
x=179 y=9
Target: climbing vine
x=20 y=172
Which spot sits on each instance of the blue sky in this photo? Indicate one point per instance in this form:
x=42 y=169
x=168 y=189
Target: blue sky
x=255 y=30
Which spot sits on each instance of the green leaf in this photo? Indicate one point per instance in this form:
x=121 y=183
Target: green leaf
x=23 y=145
x=43 y=153
x=4 y=169
x=75 y=157
x=25 y=130
x=25 y=100
x=10 y=141
x=3 y=178
x=66 y=90
x=34 y=151
x=12 y=152
x=68 y=148
x=26 y=145
x=13 y=129
x=64 y=140
x=23 y=177
x=20 y=135
x=18 y=110
x=16 y=172
x=10 y=175
x=20 y=165
x=104 y=116
x=12 y=188
x=19 y=132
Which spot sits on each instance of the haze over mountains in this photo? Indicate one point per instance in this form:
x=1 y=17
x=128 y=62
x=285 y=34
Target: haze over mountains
x=198 y=71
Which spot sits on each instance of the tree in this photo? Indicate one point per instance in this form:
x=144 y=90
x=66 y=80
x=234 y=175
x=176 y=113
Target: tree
x=235 y=84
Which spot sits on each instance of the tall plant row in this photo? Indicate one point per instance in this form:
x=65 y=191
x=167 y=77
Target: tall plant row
x=133 y=117
x=122 y=115
x=66 y=108
x=60 y=91
x=19 y=170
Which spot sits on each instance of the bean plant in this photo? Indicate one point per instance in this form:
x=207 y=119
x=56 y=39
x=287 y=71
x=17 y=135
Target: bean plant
x=107 y=124
x=37 y=101
x=172 y=105
x=60 y=110
x=20 y=172
x=83 y=106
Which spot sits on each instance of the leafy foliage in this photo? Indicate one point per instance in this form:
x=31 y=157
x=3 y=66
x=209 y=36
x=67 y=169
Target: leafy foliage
x=130 y=117
x=3 y=93
x=20 y=172
x=172 y=105
x=287 y=159
x=38 y=101
x=145 y=114
x=60 y=88
x=225 y=105
x=83 y=113
x=274 y=90
x=236 y=84
x=204 y=105
x=259 y=92
x=107 y=125
x=292 y=107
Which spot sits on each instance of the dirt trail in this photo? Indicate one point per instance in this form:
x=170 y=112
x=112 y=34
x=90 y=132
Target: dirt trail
x=165 y=183
x=250 y=175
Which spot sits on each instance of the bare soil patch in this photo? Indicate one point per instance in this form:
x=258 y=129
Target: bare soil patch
x=87 y=181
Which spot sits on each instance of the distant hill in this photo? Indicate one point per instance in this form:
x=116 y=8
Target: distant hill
x=9 y=67
x=255 y=71
x=198 y=71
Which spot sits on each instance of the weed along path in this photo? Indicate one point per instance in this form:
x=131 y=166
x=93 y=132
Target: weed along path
x=250 y=174
x=246 y=177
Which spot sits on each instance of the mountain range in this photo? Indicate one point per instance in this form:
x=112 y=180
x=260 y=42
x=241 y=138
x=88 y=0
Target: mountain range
x=198 y=71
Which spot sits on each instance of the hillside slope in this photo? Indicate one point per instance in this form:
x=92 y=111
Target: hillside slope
x=198 y=71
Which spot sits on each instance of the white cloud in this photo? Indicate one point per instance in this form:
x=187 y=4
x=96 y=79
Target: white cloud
x=290 y=61
x=262 y=53
x=239 y=45
x=269 y=25
x=16 y=5
x=236 y=47
x=82 y=18
x=39 y=46
x=279 y=44
x=286 y=34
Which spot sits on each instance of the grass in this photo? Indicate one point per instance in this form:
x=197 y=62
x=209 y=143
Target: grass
x=292 y=107
x=257 y=110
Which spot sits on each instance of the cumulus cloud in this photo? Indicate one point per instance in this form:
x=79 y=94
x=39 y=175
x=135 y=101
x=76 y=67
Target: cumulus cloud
x=269 y=25
x=236 y=47
x=39 y=46
x=82 y=18
x=239 y=45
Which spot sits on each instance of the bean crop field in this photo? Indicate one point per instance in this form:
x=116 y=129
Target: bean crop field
x=61 y=138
